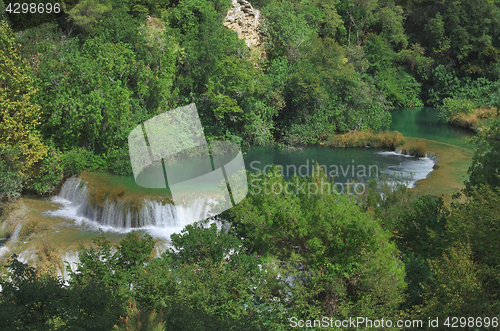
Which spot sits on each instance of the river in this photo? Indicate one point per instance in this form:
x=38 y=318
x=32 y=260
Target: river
x=42 y=227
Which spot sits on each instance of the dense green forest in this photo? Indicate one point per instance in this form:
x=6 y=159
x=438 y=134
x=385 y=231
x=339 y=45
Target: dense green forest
x=74 y=84
x=330 y=67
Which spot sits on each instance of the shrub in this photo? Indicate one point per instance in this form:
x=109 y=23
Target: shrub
x=139 y=320
x=472 y=120
x=468 y=121
x=78 y=159
x=11 y=178
x=47 y=174
x=486 y=112
x=388 y=139
x=118 y=161
x=452 y=107
x=419 y=149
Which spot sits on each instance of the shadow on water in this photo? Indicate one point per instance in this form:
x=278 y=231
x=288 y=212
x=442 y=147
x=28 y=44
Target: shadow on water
x=42 y=231
x=425 y=123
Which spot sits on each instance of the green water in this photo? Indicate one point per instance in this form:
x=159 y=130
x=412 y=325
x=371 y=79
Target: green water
x=424 y=123
x=343 y=164
x=421 y=123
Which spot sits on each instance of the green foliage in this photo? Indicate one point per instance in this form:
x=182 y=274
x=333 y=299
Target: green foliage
x=287 y=27
x=19 y=116
x=329 y=246
x=399 y=87
x=76 y=160
x=476 y=222
x=485 y=167
x=421 y=227
x=48 y=175
x=456 y=289
x=136 y=320
x=87 y=102
x=204 y=40
x=118 y=161
x=29 y=300
x=324 y=94
x=452 y=107
x=87 y=14
x=220 y=287
x=191 y=245
x=457 y=33
x=11 y=180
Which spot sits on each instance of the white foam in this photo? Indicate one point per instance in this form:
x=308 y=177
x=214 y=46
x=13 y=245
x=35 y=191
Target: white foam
x=395 y=153
x=159 y=220
x=413 y=170
x=3 y=250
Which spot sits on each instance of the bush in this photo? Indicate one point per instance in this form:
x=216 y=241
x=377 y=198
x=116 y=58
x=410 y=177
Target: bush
x=47 y=174
x=419 y=149
x=388 y=139
x=78 y=159
x=118 y=161
x=472 y=120
x=11 y=178
x=452 y=107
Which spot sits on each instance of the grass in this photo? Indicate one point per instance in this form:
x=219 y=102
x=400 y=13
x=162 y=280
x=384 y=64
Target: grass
x=450 y=171
x=381 y=139
x=417 y=148
x=473 y=120
x=102 y=186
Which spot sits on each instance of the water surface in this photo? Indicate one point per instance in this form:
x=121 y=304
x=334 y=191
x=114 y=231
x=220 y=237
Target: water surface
x=425 y=123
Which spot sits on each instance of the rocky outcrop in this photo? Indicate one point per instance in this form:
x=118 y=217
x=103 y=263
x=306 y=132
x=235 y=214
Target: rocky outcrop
x=244 y=20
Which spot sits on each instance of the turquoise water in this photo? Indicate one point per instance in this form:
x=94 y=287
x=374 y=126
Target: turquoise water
x=339 y=163
x=425 y=123
x=358 y=164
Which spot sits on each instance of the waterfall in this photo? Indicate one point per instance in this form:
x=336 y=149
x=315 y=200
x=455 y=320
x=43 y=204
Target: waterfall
x=119 y=215
x=15 y=234
x=411 y=169
x=70 y=259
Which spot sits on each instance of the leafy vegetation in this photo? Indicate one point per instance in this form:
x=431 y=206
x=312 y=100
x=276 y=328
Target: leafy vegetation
x=328 y=68
x=74 y=84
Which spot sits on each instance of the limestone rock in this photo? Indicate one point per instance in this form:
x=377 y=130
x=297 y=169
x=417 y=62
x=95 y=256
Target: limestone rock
x=244 y=20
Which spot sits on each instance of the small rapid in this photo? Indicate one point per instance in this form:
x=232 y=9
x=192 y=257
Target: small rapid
x=411 y=169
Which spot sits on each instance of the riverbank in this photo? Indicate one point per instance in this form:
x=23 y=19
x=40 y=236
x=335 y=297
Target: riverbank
x=479 y=119
x=381 y=139
x=450 y=170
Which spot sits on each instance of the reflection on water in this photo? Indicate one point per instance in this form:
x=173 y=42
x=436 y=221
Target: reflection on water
x=350 y=164
x=425 y=123
x=70 y=219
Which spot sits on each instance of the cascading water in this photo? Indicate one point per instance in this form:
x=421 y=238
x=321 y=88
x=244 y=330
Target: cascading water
x=411 y=170
x=120 y=215
x=15 y=233
x=68 y=259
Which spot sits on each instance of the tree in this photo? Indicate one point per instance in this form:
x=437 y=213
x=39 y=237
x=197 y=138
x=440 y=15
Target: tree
x=485 y=167
x=19 y=117
x=332 y=252
x=29 y=301
x=457 y=288
x=476 y=222
x=207 y=281
x=85 y=97
x=287 y=27
x=87 y=14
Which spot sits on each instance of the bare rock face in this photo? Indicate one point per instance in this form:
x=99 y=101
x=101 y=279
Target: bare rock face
x=244 y=20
